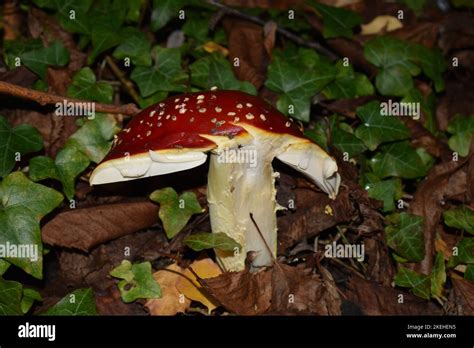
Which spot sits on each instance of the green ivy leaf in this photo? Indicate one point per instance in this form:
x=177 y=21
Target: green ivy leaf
x=405 y=236
x=135 y=46
x=4 y=265
x=297 y=83
x=464 y=253
x=90 y=143
x=36 y=57
x=137 y=281
x=164 y=11
x=438 y=277
x=461 y=217
x=377 y=128
x=462 y=129
x=22 y=139
x=419 y=284
x=94 y=137
x=398 y=159
x=415 y=5
x=348 y=84
x=164 y=75
x=338 y=22
x=215 y=70
x=469 y=273
x=175 y=211
x=347 y=142
x=23 y=204
x=80 y=302
x=395 y=58
x=10 y=297
x=433 y=65
x=38 y=60
x=29 y=296
x=387 y=191
x=201 y=241
x=84 y=86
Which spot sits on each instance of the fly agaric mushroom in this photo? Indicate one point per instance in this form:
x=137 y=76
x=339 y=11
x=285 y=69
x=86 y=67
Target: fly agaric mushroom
x=244 y=134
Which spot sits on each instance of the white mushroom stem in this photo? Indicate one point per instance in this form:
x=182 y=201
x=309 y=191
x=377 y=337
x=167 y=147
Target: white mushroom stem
x=234 y=191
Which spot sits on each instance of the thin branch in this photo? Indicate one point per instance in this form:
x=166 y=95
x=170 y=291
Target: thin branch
x=123 y=80
x=288 y=34
x=43 y=98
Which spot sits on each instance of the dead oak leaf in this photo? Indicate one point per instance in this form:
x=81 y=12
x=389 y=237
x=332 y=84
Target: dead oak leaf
x=190 y=286
x=172 y=300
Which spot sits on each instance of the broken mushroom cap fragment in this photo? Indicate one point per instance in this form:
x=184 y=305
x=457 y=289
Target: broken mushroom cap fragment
x=243 y=134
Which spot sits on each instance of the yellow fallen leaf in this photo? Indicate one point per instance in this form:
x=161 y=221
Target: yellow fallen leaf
x=211 y=47
x=172 y=300
x=205 y=268
x=381 y=24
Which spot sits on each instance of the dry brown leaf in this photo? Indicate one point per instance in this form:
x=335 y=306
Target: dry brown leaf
x=171 y=301
x=205 y=268
x=381 y=24
x=463 y=296
x=280 y=289
x=85 y=228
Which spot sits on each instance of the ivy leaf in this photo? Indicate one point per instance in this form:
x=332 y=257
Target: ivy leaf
x=462 y=129
x=22 y=139
x=469 y=273
x=395 y=58
x=202 y=241
x=215 y=70
x=90 y=143
x=377 y=128
x=464 y=253
x=398 y=159
x=94 y=137
x=135 y=46
x=164 y=75
x=23 y=204
x=163 y=12
x=38 y=60
x=80 y=302
x=175 y=211
x=387 y=191
x=405 y=236
x=347 y=142
x=461 y=217
x=10 y=297
x=438 y=277
x=4 y=265
x=137 y=281
x=84 y=86
x=29 y=296
x=419 y=284
x=415 y=5
x=36 y=57
x=297 y=84
x=433 y=65
x=338 y=22
x=348 y=84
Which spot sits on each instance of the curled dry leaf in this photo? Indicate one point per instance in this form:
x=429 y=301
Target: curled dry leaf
x=85 y=228
x=280 y=289
x=205 y=268
x=171 y=301
x=381 y=24
x=463 y=296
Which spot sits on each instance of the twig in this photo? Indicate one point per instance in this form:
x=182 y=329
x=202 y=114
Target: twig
x=43 y=98
x=288 y=34
x=123 y=80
